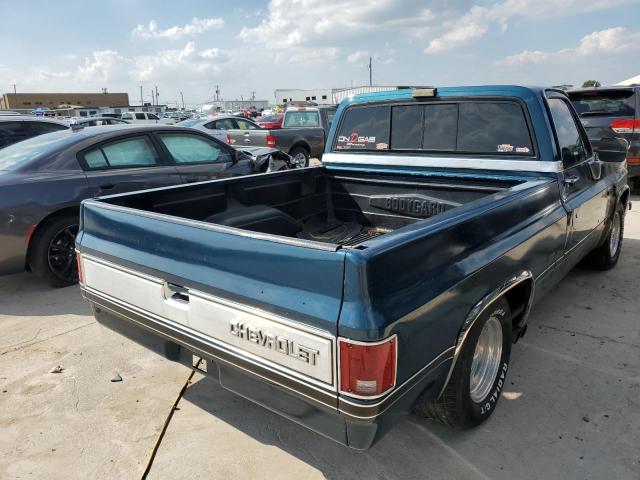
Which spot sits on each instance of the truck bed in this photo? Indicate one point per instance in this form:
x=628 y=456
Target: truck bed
x=315 y=205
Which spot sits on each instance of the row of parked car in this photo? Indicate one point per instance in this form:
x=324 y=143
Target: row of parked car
x=44 y=179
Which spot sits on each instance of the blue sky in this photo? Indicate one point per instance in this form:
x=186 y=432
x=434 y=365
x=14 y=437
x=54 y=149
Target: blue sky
x=259 y=46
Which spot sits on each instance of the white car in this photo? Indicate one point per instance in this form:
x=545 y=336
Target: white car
x=145 y=117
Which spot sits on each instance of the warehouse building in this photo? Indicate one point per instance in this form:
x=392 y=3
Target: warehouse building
x=30 y=101
x=324 y=96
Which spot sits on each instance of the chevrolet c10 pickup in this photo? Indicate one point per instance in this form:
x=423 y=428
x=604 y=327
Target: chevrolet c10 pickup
x=392 y=279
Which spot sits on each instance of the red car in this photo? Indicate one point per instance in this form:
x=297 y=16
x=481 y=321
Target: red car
x=271 y=122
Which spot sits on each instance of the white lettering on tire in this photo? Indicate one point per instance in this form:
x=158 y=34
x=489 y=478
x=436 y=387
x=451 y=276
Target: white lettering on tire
x=493 y=398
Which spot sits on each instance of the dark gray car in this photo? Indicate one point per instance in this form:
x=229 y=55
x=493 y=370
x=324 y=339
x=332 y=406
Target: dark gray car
x=44 y=179
x=608 y=112
x=15 y=128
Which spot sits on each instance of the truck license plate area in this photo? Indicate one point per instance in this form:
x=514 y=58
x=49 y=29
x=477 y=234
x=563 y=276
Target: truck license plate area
x=246 y=331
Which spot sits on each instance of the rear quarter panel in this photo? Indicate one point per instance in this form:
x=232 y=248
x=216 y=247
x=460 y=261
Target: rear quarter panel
x=423 y=283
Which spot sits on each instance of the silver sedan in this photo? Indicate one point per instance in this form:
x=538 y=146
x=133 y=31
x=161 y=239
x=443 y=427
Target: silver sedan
x=218 y=125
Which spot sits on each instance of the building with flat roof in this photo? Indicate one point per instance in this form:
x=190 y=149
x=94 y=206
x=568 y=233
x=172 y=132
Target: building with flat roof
x=30 y=101
x=324 y=96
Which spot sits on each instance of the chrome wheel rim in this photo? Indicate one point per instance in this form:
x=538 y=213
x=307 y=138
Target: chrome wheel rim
x=300 y=160
x=486 y=359
x=614 y=238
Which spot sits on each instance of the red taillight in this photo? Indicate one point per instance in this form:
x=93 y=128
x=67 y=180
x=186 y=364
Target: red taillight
x=228 y=139
x=625 y=126
x=633 y=160
x=271 y=140
x=80 y=269
x=368 y=369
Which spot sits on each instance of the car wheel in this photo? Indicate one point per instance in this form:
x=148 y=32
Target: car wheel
x=479 y=374
x=606 y=255
x=52 y=254
x=300 y=157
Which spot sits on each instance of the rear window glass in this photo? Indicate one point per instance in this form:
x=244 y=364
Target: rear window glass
x=302 y=119
x=465 y=127
x=364 y=128
x=612 y=103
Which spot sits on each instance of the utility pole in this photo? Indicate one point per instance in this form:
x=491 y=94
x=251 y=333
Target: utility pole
x=182 y=97
x=157 y=101
x=253 y=95
x=370 y=73
x=14 y=89
x=141 y=99
x=217 y=93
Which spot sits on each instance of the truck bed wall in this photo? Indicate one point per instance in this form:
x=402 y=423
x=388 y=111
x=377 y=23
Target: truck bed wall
x=372 y=200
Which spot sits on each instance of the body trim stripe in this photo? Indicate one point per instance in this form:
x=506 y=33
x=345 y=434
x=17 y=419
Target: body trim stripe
x=446 y=162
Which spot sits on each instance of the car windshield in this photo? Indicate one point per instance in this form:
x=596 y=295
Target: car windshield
x=609 y=103
x=21 y=153
x=189 y=123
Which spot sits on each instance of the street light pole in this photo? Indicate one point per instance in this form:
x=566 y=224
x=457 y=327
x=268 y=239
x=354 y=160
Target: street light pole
x=141 y=98
x=182 y=97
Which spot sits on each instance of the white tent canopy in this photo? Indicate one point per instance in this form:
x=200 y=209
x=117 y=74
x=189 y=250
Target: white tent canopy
x=630 y=81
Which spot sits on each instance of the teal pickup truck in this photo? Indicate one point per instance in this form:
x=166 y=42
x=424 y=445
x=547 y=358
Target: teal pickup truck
x=393 y=279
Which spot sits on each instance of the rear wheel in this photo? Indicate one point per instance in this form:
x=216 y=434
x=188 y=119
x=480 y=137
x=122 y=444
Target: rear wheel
x=478 y=377
x=606 y=255
x=52 y=253
x=300 y=157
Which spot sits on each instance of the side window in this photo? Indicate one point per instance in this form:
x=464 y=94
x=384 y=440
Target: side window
x=224 y=124
x=152 y=116
x=140 y=116
x=569 y=138
x=11 y=132
x=130 y=152
x=38 y=128
x=330 y=116
x=244 y=125
x=127 y=116
x=194 y=149
x=364 y=128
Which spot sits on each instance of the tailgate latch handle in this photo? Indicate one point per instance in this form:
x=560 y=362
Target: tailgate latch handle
x=171 y=291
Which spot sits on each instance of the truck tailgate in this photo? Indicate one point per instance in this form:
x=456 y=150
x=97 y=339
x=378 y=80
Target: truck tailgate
x=271 y=301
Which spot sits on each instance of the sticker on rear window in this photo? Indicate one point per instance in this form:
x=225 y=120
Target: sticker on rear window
x=523 y=150
x=355 y=140
x=505 y=147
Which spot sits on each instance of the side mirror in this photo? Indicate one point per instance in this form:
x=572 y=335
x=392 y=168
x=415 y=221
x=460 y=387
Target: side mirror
x=613 y=149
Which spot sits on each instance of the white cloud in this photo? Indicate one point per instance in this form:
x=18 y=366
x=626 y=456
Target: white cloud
x=357 y=56
x=477 y=21
x=196 y=26
x=610 y=41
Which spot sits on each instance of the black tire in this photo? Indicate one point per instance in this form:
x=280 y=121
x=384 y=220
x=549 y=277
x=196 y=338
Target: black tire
x=606 y=256
x=456 y=407
x=52 y=251
x=295 y=151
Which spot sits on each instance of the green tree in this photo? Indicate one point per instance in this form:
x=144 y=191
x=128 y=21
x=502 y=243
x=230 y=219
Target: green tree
x=591 y=83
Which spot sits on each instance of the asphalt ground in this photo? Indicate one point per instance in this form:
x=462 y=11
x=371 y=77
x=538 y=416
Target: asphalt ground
x=571 y=409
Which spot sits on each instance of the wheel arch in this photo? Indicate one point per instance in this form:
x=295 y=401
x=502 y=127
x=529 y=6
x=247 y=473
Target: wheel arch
x=518 y=292
x=302 y=144
x=42 y=223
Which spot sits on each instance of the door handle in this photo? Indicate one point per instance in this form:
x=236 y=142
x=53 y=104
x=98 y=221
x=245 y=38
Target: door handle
x=107 y=186
x=570 y=179
x=171 y=291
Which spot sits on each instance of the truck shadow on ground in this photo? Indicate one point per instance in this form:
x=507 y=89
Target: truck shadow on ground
x=421 y=448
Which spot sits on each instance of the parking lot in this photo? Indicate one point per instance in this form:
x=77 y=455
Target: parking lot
x=571 y=408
